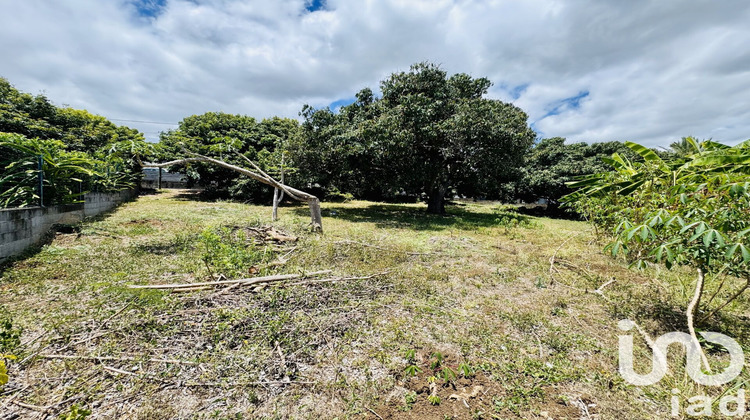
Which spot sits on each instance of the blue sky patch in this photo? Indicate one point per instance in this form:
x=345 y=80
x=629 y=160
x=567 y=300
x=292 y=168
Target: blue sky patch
x=558 y=107
x=517 y=91
x=336 y=105
x=567 y=104
x=315 y=5
x=149 y=8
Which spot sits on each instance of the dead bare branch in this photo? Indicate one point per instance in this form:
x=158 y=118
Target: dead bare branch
x=246 y=282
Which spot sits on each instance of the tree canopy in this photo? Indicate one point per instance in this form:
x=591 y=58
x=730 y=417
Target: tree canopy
x=428 y=134
x=552 y=163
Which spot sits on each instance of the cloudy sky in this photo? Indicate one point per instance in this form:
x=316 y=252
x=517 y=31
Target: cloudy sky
x=587 y=70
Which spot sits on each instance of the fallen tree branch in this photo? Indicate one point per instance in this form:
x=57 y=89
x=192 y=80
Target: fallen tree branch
x=119 y=359
x=332 y=279
x=244 y=282
x=312 y=201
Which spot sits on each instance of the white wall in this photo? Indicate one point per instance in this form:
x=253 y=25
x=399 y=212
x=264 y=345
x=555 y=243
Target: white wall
x=23 y=227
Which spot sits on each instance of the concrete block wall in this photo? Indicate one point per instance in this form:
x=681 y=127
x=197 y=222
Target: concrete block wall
x=23 y=227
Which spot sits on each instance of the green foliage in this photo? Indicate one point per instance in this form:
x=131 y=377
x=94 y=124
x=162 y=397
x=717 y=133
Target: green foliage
x=429 y=134
x=10 y=337
x=409 y=399
x=433 y=399
x=412 y=370
x=552 y=163
x=448 y=375
x=689 y=211
x=63 y=171
x=75 y=413
x=81 y=151
x=230 y=252
x=466 y=369
x=4 y=378
x=437 y=360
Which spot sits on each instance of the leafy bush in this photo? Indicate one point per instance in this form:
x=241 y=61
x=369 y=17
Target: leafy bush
x=10 y=337
x=692 y=211
x=67 y=174
x=230 y=253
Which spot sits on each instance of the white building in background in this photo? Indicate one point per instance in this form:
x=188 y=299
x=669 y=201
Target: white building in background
x=168 y=179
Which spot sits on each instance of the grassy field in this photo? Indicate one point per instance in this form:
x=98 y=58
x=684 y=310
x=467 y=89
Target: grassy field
x=482 y=314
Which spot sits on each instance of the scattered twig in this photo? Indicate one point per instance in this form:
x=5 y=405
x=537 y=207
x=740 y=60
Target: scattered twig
x=600 y=290
x=727 y=302
x=373 y=412
x=350 y=242
x=30 y=406
x=12 y=397
x=121 y=359
x=332 y=279
x=199 y=384
x=554 y=256
x=120 y=371
x=245 y=282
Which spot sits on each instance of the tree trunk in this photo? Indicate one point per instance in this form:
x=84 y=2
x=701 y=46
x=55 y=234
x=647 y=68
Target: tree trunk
x=278 y=195
x=275 y=210
x=435 y=201
x=317 y=219
x=691 y=309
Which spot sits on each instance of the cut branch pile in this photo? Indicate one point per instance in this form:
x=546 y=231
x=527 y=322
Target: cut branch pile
x=254 y=281
x=265 y=234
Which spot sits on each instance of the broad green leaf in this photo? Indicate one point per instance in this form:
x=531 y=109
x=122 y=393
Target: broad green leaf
x=647 y=154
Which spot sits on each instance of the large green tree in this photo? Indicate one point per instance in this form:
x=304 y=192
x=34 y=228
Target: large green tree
x=428 y=134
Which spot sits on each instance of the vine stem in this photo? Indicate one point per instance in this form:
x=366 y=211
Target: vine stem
x=691 y=314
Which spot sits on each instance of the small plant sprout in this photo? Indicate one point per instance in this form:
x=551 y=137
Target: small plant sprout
x=434 y=399
x=466 y=369
x=409 y=399
x=437 y=360
x=412 y=370
x=411 y=356
x=448 y=374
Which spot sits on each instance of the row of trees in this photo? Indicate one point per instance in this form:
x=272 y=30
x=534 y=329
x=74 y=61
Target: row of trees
x=76 y=151
x=427 y=135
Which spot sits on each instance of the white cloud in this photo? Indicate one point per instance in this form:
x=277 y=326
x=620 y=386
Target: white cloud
x=654 y=70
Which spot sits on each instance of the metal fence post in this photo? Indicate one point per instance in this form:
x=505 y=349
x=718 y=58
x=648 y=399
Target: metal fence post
x=41 y=180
